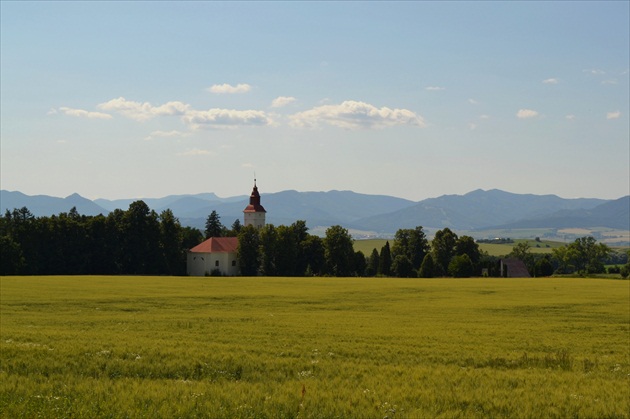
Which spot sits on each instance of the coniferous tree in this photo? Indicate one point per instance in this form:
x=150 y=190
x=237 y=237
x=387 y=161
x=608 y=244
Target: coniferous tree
x=372 y=263
x=214 y=228
x=385 y=260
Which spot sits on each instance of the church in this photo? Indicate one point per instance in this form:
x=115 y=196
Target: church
x=217 y=255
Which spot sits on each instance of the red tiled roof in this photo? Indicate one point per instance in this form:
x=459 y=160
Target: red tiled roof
x=217 y=245
x=254 y=208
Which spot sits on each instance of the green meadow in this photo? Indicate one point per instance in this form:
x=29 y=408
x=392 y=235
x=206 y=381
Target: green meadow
x=148 y=347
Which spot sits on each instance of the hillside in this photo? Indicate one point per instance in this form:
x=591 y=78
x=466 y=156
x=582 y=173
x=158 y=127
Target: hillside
x=476 y=210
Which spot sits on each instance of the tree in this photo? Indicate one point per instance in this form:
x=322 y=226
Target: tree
x=300 y=234
x=312 y=250
x=287 y=251
x=248 y=250
x=214 y=228
x=543 y=267
x=460 y=266
x=466 y=245
x=402 y=267
x=360 y=263
x=338 y=251
x=372 y=263
x=268 y=245
x=141 y=232
x=236 y=228
x=590 y=255
x=443 y=249
x=427 y=268
x=412 y=243
x=11 y=257
x=385 y=260
x=171 y=240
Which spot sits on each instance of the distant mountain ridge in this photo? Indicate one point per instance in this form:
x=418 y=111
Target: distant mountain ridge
x=476 y=210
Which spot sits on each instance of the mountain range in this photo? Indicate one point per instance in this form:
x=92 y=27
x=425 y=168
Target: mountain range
x=381 y=214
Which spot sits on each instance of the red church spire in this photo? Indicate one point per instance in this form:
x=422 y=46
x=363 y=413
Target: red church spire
x=254 y=201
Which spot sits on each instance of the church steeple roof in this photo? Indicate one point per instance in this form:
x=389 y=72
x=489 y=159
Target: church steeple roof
x=254 y=201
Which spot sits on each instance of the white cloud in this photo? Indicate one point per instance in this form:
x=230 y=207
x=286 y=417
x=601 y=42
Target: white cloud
x=356 y=115
x=595 y=71
x=526 y=113
x=281 y=101
x=143 y=111
x=613 y=115
x=551 y=81
x=609 y=81
x=484 y=116
x=83 y=113
x=473 y=102
x=570 y=117
x=226 y=118
x=434 y=88
x=195 y=152
x=227 y=88
x=166 y=134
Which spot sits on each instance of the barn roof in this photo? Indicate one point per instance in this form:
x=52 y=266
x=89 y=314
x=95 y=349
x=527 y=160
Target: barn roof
x=515 y=268
x=217 y=245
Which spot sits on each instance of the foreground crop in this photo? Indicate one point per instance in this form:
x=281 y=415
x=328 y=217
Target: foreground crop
x=289 y=347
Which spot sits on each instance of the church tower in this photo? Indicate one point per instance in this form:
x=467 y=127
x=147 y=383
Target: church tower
x=254 y=213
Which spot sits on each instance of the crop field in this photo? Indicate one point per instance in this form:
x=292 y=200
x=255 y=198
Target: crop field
x=133 y=347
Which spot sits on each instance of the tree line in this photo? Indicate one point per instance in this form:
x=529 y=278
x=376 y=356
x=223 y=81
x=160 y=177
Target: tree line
x=139 y=241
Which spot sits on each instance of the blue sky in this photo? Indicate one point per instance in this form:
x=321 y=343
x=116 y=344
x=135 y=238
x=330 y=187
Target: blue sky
x=411 y=99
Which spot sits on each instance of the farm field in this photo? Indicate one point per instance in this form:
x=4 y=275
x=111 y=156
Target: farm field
x=86 y=347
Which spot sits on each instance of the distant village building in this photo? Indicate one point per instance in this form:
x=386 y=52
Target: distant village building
x=217 y=255
x=513 y=268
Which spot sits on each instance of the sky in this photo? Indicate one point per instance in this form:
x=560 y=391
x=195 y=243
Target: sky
x=409 y=99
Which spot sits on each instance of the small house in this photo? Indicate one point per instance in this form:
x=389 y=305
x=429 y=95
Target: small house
x=217 y=255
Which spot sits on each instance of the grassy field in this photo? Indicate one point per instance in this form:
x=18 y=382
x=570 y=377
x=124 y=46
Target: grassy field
x=118 y=347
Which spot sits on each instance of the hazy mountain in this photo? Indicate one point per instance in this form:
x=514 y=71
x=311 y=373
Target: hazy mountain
x=474 y=210
x=611 y=214
x=44 y=205
x=317 y=208
x=383 y=214
x=171 y=201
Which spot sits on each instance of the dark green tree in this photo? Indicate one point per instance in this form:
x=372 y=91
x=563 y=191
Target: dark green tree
x=412 y=243
x=313 y=253
x=543 y=267
x=460 y=266
x=248 y=251
x=466 y=245
x=372 y=263
x=287 y=251
x=214 y=228
x=171 y=241
x=11 y=257
x=385 y=260
x=402 y=267
x=236 y=228
x=268 y=250
x=141 y=233
x=360 y=263
x=443 y=249
x=427 y=269
x=339 y=251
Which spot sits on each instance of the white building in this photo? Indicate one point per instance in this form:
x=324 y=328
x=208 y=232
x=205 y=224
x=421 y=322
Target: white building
x=218 y=254
x=215 y=255
x=254 y=213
